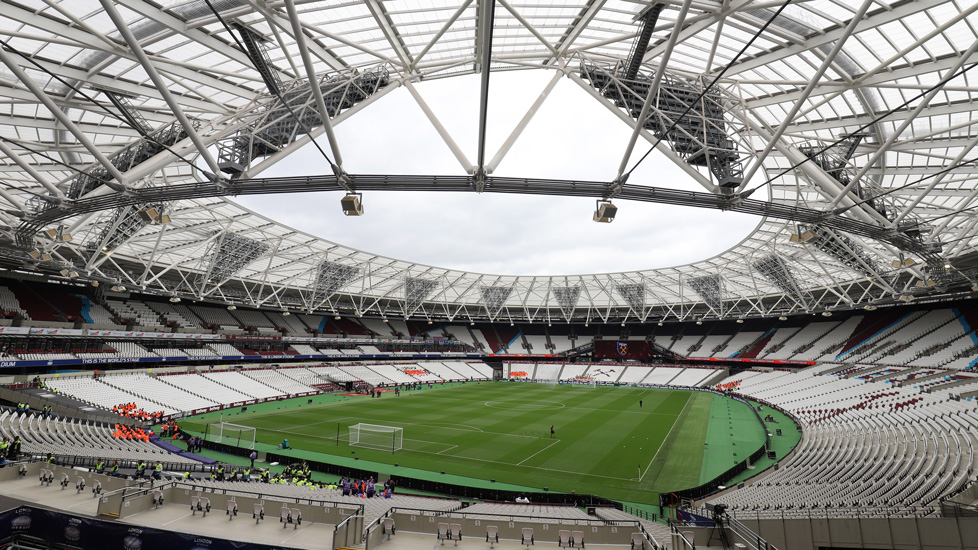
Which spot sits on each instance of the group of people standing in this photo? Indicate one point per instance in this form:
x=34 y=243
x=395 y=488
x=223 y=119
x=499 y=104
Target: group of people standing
x=366 y=488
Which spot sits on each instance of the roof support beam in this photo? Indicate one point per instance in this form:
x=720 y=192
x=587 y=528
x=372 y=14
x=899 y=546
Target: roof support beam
x=661 y=146
x=26 y=166
x=162 y=86
x=790 y=115
x=300 y=40
x=505 y=147
x=654 y=89
x=66 y=121
x=440 y=128
x=487 y=19
x=907 y=121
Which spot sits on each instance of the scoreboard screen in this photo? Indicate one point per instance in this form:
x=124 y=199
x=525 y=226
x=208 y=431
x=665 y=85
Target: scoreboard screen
x=622 y=349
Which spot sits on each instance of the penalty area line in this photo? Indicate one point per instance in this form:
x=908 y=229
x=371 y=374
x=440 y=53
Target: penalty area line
x=520 y=463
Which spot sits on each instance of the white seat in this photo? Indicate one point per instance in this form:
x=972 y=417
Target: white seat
x=257 y=511
x=492 y=534
x=456 y=532
x=563 y=538
x=388 y=527
x=527 y=537
x=442 y=532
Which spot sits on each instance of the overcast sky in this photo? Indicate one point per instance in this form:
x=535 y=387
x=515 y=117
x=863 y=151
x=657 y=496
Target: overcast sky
x=572 y=136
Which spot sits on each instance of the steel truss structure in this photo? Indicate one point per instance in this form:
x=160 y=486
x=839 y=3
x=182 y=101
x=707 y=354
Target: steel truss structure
x=848 y=127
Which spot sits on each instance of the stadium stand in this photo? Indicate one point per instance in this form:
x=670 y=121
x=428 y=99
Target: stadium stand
x=283 y=384
x=868 y=445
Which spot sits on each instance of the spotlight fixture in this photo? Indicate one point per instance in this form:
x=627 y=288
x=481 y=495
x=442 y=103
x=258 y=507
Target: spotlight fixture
x=286 y=313
x=604 y=211
x=175 y=299
x=337 y=318
x=927 y=283
x=740 y=321
x=385 y=320
x=974 y=287
x=69 y=273
x=698 y=322
x=782 y=318
x=95 y=284
x=623 y=324
x=58 y=235
x=660 y=323
x=154 y=216
x=826 y=314
x=907 y=298
x=947 y=265
x=804 y=237
x=352 y=204
x=117 y=288
x=903 y=262
x=38 y=254
x=232 y=307
x=869 y=307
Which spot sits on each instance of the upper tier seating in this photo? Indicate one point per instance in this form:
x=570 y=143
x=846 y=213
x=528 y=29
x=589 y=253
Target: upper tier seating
x=216 y=316
x=176 y=313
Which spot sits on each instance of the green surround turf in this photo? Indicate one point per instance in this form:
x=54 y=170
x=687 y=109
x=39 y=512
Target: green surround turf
x=606 y=444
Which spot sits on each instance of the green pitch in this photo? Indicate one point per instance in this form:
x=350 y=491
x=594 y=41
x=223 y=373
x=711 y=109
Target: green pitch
x=604 y=442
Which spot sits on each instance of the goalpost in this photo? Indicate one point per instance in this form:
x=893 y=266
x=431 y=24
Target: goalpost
x=375 y=436
x=236 y=434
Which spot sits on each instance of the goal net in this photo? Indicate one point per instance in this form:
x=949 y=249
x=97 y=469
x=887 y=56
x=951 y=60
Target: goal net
x=374 y=436
x=236 y=434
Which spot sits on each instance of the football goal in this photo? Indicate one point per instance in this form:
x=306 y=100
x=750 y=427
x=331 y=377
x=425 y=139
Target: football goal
x=374 y=436
x=235 y=434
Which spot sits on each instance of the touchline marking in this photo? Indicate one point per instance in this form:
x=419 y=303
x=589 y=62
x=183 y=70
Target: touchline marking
x=520 y=463
x=448 y=449
x=666 y=438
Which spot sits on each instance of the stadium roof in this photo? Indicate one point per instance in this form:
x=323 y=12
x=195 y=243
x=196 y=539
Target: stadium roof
x=131 y=125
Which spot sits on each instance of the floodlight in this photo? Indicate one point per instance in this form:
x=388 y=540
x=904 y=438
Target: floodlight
x=95 y=284
x=68 y=273
x=907 y=298
x=232 y=307
x=385 y=320
x=286 y=313
x=903 y=262
x=804 y=237
x=117 y=288
x=869 y=307
x=337 y=318
x=698 y=322
x=740 y=321
x=782 y=318
x=352 y=204
x=175 y=299
x=154 y=216
x=604 y=211
x=57 y=235
x=826 y=314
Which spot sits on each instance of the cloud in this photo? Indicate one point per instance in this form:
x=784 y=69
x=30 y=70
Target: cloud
x=571 y=137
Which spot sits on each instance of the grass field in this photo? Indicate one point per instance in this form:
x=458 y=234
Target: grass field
x=605 y=443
